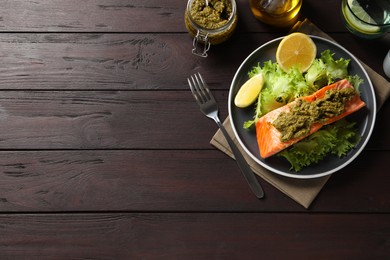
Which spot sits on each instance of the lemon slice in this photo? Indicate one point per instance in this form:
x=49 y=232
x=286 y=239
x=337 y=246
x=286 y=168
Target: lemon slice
x=249 y=91
x=296 y=49
x=363 y=15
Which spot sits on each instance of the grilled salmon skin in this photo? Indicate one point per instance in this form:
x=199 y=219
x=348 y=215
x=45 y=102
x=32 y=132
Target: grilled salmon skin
x=269 y=138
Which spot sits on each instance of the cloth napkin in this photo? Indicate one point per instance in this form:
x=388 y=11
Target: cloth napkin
x=303 y=191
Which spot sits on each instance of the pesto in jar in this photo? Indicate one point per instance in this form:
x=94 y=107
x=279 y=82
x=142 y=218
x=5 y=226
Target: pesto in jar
x=213 y=16
x=302 y=115
x=216 y=21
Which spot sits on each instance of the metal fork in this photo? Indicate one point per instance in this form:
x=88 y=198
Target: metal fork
x=209 y=108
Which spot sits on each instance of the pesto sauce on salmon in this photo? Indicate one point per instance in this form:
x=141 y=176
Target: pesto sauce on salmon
x=302 y=115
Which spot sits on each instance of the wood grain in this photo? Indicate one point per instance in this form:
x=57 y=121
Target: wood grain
x=90 y=15
x=194 y=236
x=53 y=61
x=106 y=120
x=114 y=61
x=97 y=120
x=105 y=155
x=171 y=180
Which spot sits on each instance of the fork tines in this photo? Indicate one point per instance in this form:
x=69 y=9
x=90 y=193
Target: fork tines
x=199 y=89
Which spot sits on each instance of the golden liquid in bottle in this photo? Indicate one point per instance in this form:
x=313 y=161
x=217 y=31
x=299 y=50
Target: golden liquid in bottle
x=280 y=13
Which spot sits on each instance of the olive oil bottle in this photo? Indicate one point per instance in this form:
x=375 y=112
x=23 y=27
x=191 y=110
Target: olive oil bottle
x=280 y=13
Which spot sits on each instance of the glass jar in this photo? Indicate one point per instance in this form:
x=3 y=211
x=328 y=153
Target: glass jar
x=367 y=19
x=279 y=13
x=210 y=24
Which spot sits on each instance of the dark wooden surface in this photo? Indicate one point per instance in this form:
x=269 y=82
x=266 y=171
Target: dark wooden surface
x=105 y=155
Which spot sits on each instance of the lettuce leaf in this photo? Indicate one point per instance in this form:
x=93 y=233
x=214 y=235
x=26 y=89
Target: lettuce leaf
x=335 y=139
x=336 y=69
x=279 y=88
x=326 y=70
x=355 y=80
x=317 y=75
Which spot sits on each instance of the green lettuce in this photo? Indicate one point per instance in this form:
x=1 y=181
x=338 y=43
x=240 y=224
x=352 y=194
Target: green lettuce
x=326 y=70
x=279 y=88
x=355 y=80
x=337 y=69
x=335 y=139
x=317 y=75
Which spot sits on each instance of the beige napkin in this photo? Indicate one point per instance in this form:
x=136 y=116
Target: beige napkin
x=303 y=191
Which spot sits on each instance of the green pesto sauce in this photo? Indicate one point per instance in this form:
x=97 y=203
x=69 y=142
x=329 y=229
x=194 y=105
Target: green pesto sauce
x=302 y=115
x=213 y=16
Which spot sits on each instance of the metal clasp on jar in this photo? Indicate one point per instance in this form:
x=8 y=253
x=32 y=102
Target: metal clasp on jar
x=201 y=44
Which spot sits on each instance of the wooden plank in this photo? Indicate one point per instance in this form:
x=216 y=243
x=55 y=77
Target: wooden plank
x=118 y=120
x=90 y=15
x=195 y=236
x=101 y=120
x=135 y=61
x=171 y=180
x=115 y=61
x=134 y=16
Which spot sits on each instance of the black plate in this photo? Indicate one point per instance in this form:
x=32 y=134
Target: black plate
x=365 y=117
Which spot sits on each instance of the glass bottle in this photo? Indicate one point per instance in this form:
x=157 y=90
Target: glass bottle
x=280 y=13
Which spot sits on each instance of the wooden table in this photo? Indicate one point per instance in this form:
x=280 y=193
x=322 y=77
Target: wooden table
x=105 y=155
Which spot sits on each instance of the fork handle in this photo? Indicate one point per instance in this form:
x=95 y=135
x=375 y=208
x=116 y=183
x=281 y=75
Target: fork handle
x=242 y=163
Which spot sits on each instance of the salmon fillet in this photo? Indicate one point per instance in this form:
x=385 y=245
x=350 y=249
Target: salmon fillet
x=269 y=138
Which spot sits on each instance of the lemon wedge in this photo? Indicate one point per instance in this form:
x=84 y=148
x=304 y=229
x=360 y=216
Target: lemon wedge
x=296 y=49
x=249 y=91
